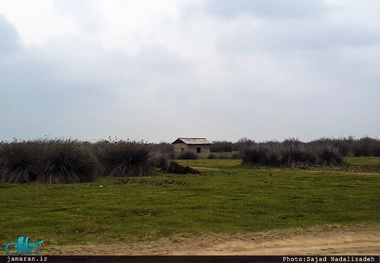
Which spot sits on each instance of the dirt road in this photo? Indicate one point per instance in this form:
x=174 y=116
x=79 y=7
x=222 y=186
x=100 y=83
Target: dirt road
x=356 y=240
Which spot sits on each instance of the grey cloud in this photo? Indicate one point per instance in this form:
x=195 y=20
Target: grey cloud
x=9 y=38
x=274 y=77
x=306 y=57
x=265 y=8
x=70 y=87
x=149 y=62
x=159 y=59
x=282 y=37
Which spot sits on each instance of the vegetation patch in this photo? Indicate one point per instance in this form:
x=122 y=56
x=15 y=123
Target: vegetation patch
x=165 y=182
x=227 y=199
x=64 y=162
x=291 y=156
x=18 y=163
x=56 y=161
x=124 y=158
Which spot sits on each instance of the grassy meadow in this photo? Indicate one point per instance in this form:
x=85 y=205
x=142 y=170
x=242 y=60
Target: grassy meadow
x=224 y=198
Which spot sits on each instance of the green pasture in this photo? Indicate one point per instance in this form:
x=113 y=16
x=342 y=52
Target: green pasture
x=224 y=198
x=362 y=161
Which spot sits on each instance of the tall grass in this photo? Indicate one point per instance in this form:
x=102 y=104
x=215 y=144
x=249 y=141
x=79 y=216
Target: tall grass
x=124 y=158
x=256 y=156
x=297 y=156
x=67 y=161
x=64 y=162
x=221 y=146
x=18 y=162
x=329 y=156
x=349 y=146
x=159 y=160
x=291 y=155
x=163 y=148
x=45 y=161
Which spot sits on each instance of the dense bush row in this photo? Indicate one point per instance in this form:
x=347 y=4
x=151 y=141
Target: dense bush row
x=53 y=161
x=346 y=146
x=67 y=161
x=291 y=156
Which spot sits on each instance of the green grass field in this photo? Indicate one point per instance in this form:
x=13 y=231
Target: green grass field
x=363 y=161
x=224 y=198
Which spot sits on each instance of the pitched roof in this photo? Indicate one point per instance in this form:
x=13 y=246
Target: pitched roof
x=192 y=141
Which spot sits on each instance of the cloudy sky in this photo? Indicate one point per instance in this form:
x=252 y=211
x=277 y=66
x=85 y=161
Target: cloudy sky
x=160 y=69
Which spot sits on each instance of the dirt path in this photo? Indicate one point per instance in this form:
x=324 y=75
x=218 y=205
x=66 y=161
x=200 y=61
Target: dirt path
x=358 y=240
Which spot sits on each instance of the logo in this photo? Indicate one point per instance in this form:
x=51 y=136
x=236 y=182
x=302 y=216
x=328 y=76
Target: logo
x=23 y=247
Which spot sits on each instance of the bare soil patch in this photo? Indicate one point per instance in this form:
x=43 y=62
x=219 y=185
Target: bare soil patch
x=326 y=240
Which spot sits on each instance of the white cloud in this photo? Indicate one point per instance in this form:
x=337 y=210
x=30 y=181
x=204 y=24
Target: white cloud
x=86 y=14
x=37 y=23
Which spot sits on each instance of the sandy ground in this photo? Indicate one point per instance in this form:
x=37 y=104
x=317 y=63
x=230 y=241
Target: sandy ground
x=354 y=240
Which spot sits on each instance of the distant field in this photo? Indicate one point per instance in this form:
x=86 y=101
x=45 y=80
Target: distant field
x=224 y=198
x=363 y=161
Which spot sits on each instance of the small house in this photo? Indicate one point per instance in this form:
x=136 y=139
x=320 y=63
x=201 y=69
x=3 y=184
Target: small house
x=199 y=146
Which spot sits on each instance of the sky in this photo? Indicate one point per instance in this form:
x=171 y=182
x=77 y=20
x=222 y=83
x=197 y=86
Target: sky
x=156 y=70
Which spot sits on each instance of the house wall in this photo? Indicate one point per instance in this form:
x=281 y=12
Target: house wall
x=204 y=149
x=179 y=146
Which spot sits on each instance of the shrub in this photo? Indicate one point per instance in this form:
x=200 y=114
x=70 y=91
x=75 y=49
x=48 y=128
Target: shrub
x=176 y=168
x=291 y=142
x=18 y=163
x=65 y=162
x=344 y=146
x=221 y=146
x=164 y=148
x=256 y=156
x=159 y=161
x=366 y=147
x=243 y=144
x=288 y=155
x=374 y=148
x=295 y=156
x=125 y=159
x=187 y=156
x=274 y=157
x=329 y=156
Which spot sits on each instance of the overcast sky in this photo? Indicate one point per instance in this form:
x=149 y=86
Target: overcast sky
x=156 y=70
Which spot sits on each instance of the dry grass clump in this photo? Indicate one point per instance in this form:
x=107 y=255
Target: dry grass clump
x=159 y=161
x=349 y=146
x=65 y=162
x=124 y=158
x=45 y=161
x=18 y=162
x=329 y=156
x=291 y=155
